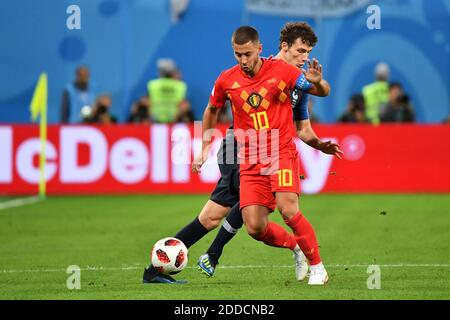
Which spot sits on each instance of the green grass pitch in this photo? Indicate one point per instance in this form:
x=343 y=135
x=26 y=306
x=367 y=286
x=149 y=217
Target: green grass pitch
x=109 y=238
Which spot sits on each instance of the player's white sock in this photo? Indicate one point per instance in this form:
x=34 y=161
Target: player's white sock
x=318 y=275
x=297 y=250
x=301 y=263
x=318 y=266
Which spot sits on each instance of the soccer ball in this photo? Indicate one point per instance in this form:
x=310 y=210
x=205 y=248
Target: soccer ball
x=169 y=255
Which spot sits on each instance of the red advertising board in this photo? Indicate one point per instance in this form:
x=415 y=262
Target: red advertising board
x=156 y=159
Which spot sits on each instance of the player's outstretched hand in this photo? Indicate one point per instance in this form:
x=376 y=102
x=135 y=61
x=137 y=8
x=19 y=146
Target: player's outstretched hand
x=199 y=160
x=314 y=72
x=330 y=147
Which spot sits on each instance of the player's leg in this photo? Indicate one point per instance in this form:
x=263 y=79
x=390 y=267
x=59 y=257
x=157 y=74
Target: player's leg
x=233 y=222
x=257 y=202
x=220 y=203
x=287 y=203
x=260 y=228
x=305 y=235
x=209 y=218
x=286 y=185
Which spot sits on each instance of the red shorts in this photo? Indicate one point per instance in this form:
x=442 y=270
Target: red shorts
x=257 y=188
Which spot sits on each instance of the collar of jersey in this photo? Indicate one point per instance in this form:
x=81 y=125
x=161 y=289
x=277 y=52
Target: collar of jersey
x=256 y=75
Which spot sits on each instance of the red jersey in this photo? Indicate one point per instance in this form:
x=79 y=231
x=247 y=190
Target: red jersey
x=260 y=104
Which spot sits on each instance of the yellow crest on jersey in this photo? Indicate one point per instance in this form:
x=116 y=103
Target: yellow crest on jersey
x=254 y=100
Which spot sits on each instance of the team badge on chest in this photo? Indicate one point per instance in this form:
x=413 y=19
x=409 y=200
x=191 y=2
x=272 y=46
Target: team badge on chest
x=254 y=100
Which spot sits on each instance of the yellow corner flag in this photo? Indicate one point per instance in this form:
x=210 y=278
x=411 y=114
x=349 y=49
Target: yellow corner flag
x=38 y=106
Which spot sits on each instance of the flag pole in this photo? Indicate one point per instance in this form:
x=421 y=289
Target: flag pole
x=38 y=107
x=42 y=156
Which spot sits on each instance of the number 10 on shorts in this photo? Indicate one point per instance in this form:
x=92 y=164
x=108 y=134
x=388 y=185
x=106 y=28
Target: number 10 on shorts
x=284 y=177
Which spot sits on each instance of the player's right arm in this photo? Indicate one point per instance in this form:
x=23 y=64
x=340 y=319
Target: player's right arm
x=320 y=87
x=209 y=122
x=216 y=101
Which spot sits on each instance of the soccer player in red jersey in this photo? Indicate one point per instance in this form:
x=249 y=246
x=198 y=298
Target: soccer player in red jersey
x=259 y=91
x=296 y=41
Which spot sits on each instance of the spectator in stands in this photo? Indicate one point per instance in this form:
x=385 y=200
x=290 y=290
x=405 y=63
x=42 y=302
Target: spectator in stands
x=185 y=113
x=101 y=112
x=140 y=111
x=398 y=108
x=168 y=95
x=377 y=93
x=77 y=95
x=355 y=110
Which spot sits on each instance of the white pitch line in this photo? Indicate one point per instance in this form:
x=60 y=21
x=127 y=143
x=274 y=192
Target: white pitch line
x=400 y=265
x=18 y=202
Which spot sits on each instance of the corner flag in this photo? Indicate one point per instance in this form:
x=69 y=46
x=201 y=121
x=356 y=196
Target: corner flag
x=38 y=106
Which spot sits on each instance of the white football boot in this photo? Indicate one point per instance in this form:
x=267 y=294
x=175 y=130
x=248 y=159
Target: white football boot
x=301 y=264
x=318 y=275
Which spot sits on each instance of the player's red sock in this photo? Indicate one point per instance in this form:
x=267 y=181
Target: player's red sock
x=276 y=236
x=306 y=237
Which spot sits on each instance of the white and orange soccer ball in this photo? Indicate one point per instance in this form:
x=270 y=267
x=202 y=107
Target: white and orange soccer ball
x=169 y=255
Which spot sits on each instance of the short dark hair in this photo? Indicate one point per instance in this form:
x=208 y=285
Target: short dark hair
x=244 y=34
x=358 y=103
x=395 y=85
x=294 y=30
x=81 y=67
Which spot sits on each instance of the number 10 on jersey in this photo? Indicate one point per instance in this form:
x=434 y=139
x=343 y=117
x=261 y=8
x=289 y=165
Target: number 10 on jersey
x=260 y=120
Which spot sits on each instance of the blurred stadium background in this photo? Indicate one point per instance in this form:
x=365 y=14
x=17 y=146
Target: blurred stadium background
x=122 y=40
x=398 y=171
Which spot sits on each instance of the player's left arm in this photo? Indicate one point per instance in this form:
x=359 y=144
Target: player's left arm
x=320 y=87
x=306 y=133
